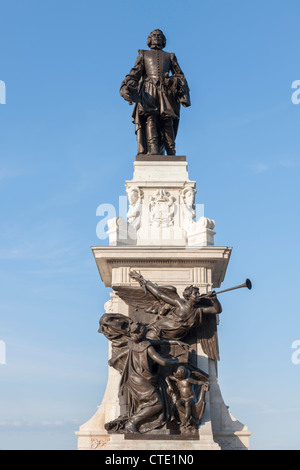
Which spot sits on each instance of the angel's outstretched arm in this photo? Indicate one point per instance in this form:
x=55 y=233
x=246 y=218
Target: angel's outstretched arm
x=155 y=290
x=215 y=308
x=160 y=295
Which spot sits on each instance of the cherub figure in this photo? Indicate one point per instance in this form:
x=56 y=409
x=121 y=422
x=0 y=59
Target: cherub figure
x=189 y=407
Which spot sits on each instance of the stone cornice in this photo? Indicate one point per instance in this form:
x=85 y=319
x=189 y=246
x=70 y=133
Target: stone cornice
x=214 y=257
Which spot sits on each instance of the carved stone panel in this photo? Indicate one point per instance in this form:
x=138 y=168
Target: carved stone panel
x=162 y=209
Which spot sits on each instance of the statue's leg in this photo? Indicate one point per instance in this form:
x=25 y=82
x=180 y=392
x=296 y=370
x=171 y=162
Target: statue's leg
x=188 y=410
x=169 y=136
x=152 y=135
x=142 y=417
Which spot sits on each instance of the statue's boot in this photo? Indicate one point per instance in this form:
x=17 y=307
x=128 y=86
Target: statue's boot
x=152 y=136
x=169 y=136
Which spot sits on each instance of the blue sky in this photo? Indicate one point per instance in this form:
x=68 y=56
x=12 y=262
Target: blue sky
x=67 y=145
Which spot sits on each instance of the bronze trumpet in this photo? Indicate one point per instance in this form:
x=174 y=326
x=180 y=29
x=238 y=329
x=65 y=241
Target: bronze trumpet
x=247 y=284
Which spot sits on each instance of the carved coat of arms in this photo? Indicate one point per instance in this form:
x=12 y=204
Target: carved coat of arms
x=162 y=209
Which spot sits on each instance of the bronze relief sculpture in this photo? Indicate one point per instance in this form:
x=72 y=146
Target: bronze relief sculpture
x=162 y=390
x=154 y=349
x=158 y=87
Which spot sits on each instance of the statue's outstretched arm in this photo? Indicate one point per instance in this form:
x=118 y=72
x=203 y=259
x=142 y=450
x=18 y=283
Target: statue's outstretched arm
x=155 y=290
x=160 y=295
x=159 y=359
x=215 y=308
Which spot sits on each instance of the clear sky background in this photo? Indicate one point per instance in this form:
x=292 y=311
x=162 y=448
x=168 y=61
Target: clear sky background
x=67 y=145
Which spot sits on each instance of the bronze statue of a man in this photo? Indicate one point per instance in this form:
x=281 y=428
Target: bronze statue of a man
x=157 y=96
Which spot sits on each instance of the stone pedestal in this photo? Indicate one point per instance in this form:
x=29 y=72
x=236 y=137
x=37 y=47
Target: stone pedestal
x=162 y=240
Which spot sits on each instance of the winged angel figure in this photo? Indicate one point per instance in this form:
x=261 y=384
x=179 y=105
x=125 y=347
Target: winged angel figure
x=173 y=316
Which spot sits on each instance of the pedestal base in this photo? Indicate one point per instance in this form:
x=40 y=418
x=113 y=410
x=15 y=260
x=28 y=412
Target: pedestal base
x=219 y=431
x=118 y=442
x=170 y=249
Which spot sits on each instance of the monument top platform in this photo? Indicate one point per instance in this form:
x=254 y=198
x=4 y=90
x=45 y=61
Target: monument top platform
x=162 y=210
x=141 y=157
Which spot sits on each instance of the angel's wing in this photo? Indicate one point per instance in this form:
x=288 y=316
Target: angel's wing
x=209 y=336
x=138 y=297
